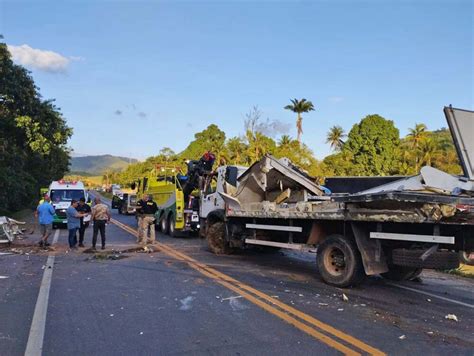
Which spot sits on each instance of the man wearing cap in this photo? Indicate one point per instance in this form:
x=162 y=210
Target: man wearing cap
x=146 y=219
x=45 y=214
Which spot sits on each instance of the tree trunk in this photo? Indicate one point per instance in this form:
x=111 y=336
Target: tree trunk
x=299 y=127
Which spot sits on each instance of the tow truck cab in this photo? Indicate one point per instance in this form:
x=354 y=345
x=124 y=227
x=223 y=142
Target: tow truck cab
x=62 y=193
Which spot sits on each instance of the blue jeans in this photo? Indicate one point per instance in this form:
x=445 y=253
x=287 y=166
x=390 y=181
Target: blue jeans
x=73 y=237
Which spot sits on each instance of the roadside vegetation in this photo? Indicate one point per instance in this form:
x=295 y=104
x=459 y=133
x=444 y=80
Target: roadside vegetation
x=33 y=137
x=372 y=147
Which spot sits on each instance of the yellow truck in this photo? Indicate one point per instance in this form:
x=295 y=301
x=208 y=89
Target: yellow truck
x=175 y=204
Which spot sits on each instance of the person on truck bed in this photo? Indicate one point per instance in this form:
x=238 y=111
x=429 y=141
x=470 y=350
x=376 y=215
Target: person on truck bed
x=146 y=219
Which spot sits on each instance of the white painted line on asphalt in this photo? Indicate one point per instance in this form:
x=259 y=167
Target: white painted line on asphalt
x=34 y=347
x=433 y=295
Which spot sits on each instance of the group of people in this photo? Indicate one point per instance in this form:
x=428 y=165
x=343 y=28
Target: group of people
x=79 y=215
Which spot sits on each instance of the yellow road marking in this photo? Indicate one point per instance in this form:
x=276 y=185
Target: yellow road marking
x=242 y=289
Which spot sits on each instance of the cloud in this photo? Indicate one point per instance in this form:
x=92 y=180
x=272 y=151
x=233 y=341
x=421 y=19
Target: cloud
x=272 y=128
x=44 y=60
x=118 y=112
x=336 y=99
x=142 y=114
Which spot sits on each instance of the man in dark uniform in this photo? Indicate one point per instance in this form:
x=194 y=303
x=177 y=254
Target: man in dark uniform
x=83 y=208
x=146 y=209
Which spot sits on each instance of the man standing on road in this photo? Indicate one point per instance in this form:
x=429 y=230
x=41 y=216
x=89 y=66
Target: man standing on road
x=100 y=216
x=73 y=223
x=140 y=215
x=83 y=208
x=45 y=214
x=146 y=219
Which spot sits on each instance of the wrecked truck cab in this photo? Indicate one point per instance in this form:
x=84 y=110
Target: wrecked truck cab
x=394 y=226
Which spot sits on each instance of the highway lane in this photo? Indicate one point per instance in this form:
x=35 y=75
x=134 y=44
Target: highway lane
x=404 y=314
x=159 y=304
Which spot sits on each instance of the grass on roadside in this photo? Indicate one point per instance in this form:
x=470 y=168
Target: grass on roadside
x=463 y=271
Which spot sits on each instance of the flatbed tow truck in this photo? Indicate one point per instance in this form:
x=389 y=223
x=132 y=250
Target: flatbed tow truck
x=395 y=226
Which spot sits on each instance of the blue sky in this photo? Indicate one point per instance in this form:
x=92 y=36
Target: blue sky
x=172 y=68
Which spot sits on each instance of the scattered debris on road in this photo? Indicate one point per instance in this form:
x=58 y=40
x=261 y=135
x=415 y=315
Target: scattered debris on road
x=402 y=337
x=10 y=229
x=230 y=298
x=345 y=298
x=451 y=317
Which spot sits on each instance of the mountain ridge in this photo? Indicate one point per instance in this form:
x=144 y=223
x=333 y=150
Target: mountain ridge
x=98 y=164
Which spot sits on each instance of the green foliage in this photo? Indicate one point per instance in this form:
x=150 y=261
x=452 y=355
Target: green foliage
x=33 y=137
x=335 y=136
x=373 y=145
x=211 y=139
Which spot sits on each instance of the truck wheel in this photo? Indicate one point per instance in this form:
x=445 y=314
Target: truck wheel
x=164 y=225
x=216 y=239
x=171 y=226
x=339 y=261
x=401 y=273
x=466 y=257
x=437 y=260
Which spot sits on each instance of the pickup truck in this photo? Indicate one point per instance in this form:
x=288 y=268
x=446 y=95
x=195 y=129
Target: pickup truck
x=393 y=226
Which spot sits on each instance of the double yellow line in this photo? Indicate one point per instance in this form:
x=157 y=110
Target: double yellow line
x=321 y=331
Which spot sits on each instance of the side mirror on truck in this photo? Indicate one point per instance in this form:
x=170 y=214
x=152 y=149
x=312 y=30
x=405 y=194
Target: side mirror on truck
x=231 y=174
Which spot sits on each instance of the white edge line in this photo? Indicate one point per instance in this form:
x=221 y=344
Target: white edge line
x=433 y=295
x=34 y=345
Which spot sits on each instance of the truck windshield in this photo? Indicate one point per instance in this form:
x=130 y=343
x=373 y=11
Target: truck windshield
x=58 y=195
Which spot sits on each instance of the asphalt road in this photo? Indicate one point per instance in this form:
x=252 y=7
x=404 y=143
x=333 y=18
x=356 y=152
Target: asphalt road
x=181 y=299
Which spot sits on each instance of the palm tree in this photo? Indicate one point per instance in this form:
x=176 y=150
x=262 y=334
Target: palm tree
x=335 y=136
x=416 y=135
x=285 y=140
x=299 y=107
x=428 y=151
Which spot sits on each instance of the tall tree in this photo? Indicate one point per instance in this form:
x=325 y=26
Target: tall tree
x=211 y=139
x=335 y=136
x=374 y=146
x=33 y=137
x=299 y=107
x=428 y=151
x=415 y=136
x=236 y=150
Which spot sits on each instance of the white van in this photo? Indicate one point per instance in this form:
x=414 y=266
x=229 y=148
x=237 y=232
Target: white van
x=62 y=193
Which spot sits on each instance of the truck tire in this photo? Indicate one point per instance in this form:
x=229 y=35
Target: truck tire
x=437 y=260
x=164 y=225
x=339 y=261
x=216 y=239
x=401 y=273
x=171 y=226
x=466 y=257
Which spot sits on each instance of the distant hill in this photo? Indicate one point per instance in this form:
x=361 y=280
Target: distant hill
x=96 y=165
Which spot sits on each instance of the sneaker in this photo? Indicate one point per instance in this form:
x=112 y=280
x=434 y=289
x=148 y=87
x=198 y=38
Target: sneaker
x=46 y=244
x=93 y=248
x=41 y=243
x=81 y=245
x=103 y=247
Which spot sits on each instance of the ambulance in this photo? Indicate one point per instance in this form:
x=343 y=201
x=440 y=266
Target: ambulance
x=62 y=193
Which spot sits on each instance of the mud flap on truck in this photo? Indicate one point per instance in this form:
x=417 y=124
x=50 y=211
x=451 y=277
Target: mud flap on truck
x=373 y=258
